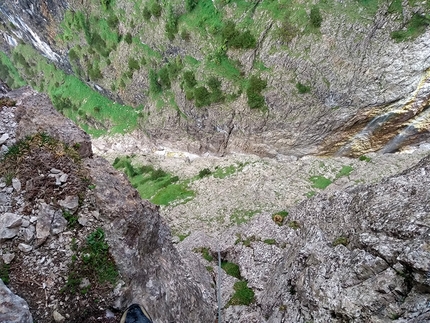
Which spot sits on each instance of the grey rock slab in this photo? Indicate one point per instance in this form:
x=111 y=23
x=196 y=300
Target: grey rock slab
x=43 y=225
x=16 y=184
x=13 y=309
x=28 y=234
x=8 y=257
x=9 y=225
x=70 y=203
x=59 y=223
x=25 y=247
x=3 y=138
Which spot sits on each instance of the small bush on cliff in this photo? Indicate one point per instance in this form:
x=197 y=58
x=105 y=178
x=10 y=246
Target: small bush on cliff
x=413 y=28
x=253 y=92
x=316 y=18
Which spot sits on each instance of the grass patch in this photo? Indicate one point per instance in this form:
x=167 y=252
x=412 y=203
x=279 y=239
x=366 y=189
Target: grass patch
x=310 y=194
x=231 y=269
x=74 y=98
x=320 y=182
x=269 y=241
x=205 y=253
x=242 y=216
x=223 y=172
x=243 y=295
x=364 y=158
x=93 y=261
x=156 y=185
x=344 y=171
x=341 y=240
x=8 y=73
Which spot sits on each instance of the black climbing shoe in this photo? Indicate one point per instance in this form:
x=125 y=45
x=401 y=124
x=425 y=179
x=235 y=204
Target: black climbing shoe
x=135 y=314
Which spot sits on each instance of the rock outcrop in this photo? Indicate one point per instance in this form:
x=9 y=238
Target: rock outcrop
x=50 y=215
x=13 y=309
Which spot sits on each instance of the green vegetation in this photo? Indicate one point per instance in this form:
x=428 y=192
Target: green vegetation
x=242 y=216
x=243 y=295
x=310 y=194
x=205 y=253
x=413 y=28
x=320 y=182
x=204 y=172
x=231 y=269
x=345 y=171
x=279 y=217
x=155 y=185
x=341 y=240
x=270 y=241
x=74 y=98
x=4 y=273
x=315 y=17
x=72 y=220
x=294 y=225
x=303 y=88
x=92 y=260
x=365 y=158
x=8 y=73
x=223 y=172
x=253 y=92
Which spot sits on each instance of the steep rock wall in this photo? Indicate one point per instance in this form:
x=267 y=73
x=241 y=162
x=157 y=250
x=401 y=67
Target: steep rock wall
x=356 y=72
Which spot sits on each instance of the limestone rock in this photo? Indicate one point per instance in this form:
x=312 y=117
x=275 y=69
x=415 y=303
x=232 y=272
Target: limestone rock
x=59 y=223
x=139 y=239
x=58 y=317
x=16 y=184
x=9 y=225
x=8 y=257
x=70 y=203
x=13 y=309
x=25 y=247
x=43 y=224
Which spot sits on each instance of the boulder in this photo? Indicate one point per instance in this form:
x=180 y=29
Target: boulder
x=13 y=309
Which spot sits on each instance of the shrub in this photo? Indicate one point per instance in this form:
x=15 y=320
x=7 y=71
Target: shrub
x=155 y=9
x=163 y=77
x=287 y=31
x=171 y=22
x=303 y=88
x=113 y=21
x=364 y=158
x=204 y=172
x=189 y=78
x=190 y=4
x=105 y=4
x=146 y=13
x=128 y=39
x=244 y=40
x=253 y=92
x=154 y=86
x=133 y=64
x=201 y=96
x=320 y=182
x=315 y=17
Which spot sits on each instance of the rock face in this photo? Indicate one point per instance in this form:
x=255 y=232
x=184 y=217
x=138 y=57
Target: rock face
x=361 y=255
x=13 y=309
x=368 y=92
